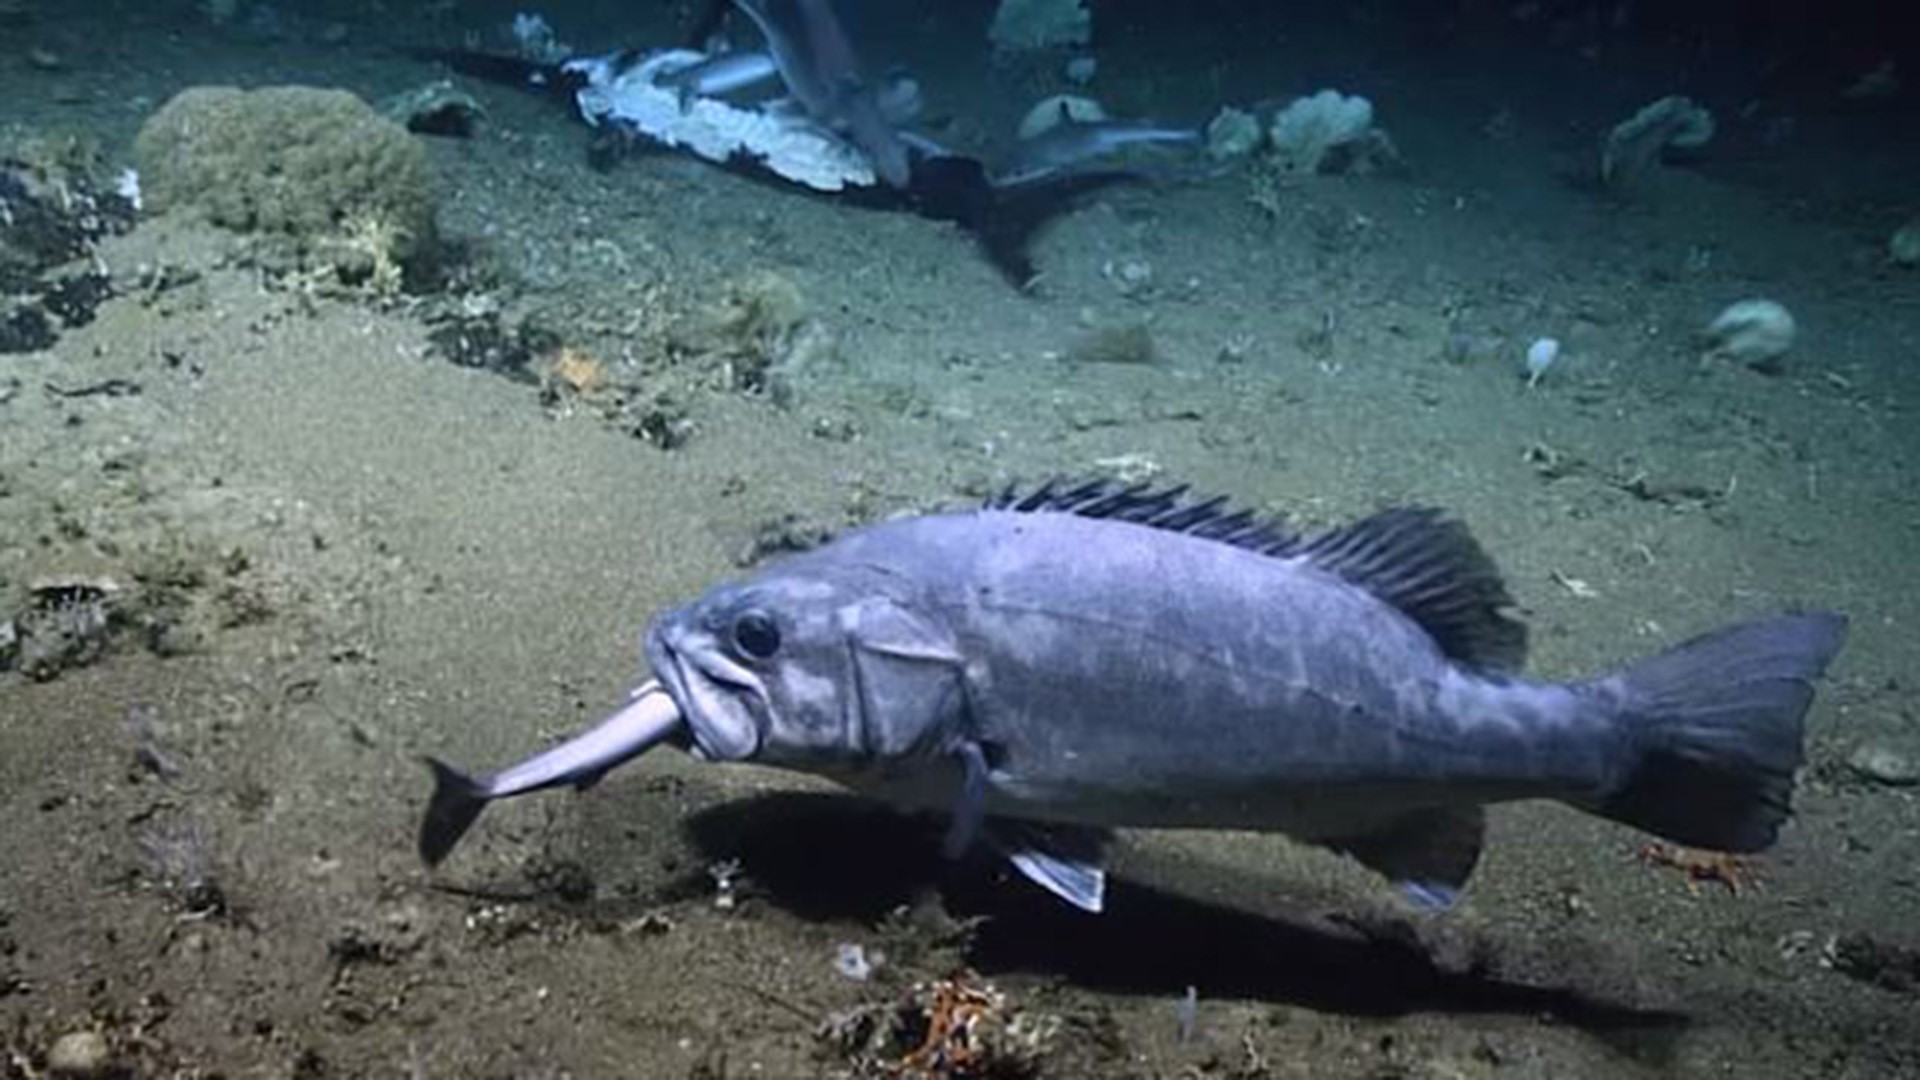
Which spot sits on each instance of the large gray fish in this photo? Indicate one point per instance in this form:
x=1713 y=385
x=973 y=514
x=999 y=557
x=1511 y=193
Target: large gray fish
x=1066 y=661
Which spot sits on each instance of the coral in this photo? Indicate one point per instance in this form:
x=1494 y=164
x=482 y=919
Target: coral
x=752 y=328
x=296 y=165
x=534 y=39
x=178 y=860
x=365 y=253
x=1903 y=247
x=1757 y=333
x=1025 y=25
x=1637 y=143
x=1233 y=133
x=1328 y=132
x=53 y=210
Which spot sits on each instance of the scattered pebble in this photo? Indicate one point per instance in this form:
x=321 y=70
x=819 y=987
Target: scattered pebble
x=1186 y=1013
x=850 y=960
x=1884 y=765
x=79 y=1053
x=1881 y=963
x=651 y=924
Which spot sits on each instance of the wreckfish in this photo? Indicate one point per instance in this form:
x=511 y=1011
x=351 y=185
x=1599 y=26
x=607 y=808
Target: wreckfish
x=1081 y=657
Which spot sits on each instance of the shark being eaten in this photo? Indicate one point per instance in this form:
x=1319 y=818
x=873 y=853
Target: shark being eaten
x=834 y=131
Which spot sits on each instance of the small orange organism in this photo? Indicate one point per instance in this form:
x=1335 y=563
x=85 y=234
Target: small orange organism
x=954 y=1043
x=577 y=369
x=1736 y=872
x=970 y=1030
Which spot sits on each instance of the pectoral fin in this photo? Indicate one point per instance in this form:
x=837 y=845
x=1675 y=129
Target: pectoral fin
x=1429 y=855
x=1065 y=860
x=971 y=808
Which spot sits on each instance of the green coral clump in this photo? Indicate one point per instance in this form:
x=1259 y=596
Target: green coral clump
x=315 y=171
x=751 y=328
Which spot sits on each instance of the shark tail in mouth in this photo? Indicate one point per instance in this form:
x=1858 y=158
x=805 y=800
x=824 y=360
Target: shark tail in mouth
x=649 y=718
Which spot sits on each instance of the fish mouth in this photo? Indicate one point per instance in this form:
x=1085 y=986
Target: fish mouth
x=723 y=704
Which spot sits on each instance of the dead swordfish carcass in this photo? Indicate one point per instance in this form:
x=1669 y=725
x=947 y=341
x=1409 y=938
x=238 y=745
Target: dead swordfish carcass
x=1077 y=658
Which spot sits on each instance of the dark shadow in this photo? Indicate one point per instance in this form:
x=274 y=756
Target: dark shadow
x=833 y=857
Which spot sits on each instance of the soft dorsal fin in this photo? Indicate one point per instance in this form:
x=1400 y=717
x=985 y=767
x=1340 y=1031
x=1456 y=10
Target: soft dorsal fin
x=1430 y=567
x=1417 y=559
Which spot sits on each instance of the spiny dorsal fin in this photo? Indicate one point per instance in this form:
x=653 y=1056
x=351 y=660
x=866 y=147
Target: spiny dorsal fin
x=1418 y=560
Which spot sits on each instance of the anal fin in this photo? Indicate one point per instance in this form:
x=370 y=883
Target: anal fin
x=1429 y=855
x=1065 y=860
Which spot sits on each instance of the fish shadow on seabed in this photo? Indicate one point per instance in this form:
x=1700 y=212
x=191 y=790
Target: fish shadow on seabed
x=822 y=856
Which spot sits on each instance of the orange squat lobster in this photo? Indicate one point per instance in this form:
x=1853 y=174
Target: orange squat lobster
x=1737 y=872
x=954 y=1044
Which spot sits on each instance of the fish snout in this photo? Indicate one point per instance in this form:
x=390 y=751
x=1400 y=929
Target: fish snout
x=721 y=703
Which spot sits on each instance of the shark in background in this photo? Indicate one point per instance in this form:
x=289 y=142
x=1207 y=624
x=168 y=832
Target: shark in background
x=816 y=61
x=1071 y=143
x=836 y=131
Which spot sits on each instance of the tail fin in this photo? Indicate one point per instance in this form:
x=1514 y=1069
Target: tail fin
x=1717 y=724
x=456 y=803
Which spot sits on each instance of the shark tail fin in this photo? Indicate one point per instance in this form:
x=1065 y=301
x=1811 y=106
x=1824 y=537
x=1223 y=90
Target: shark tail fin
x=456 y=803
x=1717 y=725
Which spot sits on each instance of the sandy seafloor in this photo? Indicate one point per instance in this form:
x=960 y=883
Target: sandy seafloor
x=369 y=553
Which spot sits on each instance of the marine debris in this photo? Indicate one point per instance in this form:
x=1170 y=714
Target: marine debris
x=1755 y=332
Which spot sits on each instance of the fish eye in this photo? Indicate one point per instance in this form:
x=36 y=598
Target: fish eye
x=755 y=635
